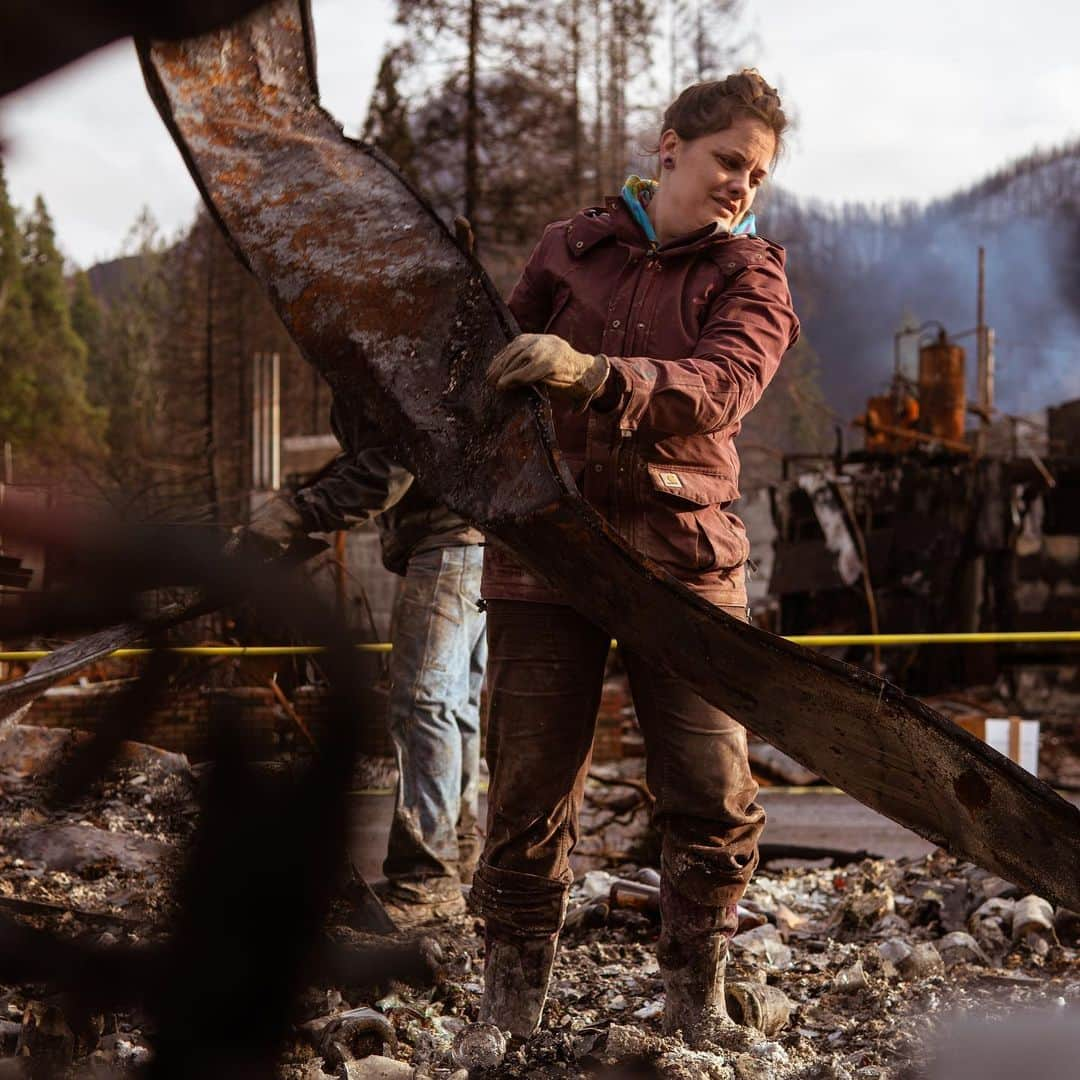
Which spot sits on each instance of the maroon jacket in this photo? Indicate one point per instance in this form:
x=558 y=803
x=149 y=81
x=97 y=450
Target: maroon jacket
x=694 y=330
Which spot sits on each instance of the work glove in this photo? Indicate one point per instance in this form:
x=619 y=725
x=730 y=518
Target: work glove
x=569 y=375
x=273 y=528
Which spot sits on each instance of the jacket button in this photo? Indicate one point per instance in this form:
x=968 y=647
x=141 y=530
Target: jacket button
x=641 y=326
x=615 y=322
x=598 y=468
x=580 y=244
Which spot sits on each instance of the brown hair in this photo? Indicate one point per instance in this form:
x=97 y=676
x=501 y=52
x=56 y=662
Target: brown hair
x=707 y=107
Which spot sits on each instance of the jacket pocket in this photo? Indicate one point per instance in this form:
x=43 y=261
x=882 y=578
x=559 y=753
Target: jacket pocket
x=557 y=308
x=685 y=525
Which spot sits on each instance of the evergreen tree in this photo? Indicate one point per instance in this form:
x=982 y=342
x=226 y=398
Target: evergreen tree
x=387 y=125
x=16 y=331
x=127 y=369
x=63 y=425
x=88 y=321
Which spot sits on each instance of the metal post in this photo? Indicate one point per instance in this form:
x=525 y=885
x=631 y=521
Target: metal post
x=275 y=422
x=256 y=422
x=980 y=354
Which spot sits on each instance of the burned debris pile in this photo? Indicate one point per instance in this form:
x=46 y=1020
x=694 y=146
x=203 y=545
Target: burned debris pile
x=837 y=970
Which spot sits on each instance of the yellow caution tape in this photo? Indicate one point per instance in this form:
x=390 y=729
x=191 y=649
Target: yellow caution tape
x=1016 y=637
x=1020 y=637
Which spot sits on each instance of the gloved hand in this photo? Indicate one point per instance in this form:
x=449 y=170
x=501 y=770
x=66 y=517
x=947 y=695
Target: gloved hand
x=546 y=358
x=272 y=529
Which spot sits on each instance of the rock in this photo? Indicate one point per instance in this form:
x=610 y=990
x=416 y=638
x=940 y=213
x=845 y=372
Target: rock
x=624 y=1041
x=991 y=887
x=85 y=849
x=1032 y=916
x=769 y=1051
x=891 y=925
x=923 y=961
x=894 y=952
x=478 y=1046
x=851 y=979
x=960 y=948
x=649 y=1010
x=995 y=908
x=764 y=944
x=862 y=910
x=695 y=1065
x=991 y=936
x=375 y=1068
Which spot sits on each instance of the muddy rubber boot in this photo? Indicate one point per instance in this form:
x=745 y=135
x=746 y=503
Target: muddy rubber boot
x=516 y=976
x=692 y=955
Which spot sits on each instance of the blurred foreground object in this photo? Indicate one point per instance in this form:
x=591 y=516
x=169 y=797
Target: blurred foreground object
x=38 y=38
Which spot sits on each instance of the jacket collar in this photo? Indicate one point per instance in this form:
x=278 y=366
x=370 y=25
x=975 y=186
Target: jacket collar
x=595 y=224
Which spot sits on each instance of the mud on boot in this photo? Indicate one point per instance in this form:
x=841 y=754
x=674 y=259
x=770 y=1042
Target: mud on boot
x=516 y=977
x=692 y=955
x=413 y=903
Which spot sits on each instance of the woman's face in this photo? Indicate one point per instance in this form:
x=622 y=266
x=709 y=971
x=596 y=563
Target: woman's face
x=715 y=177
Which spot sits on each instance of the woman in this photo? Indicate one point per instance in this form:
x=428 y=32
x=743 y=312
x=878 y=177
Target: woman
x=655 y=322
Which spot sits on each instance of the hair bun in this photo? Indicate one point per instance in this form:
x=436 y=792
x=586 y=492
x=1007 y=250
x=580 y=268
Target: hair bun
x=707 y=107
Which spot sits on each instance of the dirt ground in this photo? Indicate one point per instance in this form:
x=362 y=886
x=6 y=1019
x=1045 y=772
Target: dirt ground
x=876 y=959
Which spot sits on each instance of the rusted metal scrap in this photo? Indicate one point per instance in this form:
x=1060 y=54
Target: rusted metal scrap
x=402 y=322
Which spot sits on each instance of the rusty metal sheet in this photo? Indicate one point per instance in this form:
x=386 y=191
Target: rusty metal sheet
x=402 y=323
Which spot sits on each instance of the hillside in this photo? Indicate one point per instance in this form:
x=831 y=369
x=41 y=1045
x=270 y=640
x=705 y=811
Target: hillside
x=860 y=272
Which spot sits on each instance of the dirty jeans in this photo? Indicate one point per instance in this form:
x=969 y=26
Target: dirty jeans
x=436 y=672
x=544 y=679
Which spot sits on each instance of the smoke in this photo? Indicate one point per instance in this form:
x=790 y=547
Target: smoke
x=859 y=274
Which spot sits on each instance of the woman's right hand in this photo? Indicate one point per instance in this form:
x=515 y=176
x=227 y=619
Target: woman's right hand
x=546 y=358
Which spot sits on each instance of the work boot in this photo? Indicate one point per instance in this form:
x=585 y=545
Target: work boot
x=692 y=955
x=413 y=903
x=516 y=976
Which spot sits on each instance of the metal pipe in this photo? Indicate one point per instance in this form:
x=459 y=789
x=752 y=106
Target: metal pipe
x=275 y=421
x=915 y=436
x=256 y=422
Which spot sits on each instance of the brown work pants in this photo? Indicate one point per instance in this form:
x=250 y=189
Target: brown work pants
x=545 y=672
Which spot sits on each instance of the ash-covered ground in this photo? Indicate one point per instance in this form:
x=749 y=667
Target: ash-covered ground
x=876 y=960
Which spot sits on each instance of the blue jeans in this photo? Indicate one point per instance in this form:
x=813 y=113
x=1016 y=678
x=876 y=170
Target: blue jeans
x=436 y=673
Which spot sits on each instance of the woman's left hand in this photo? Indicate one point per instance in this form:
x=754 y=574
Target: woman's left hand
x=548 y=359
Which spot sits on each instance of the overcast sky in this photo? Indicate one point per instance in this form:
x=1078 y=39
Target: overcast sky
x=900 y=101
